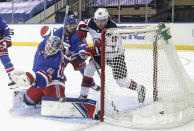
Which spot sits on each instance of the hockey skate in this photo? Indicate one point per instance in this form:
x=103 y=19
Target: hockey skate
x=11 y=83
x=96 y=87
x=141 y=94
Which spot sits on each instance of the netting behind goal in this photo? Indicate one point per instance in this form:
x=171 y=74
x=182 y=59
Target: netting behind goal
x=153 y=63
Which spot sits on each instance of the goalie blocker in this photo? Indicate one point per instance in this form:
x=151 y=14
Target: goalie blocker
x=69 y=107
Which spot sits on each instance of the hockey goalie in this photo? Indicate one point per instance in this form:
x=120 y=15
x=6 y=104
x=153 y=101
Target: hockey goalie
x=46 y=84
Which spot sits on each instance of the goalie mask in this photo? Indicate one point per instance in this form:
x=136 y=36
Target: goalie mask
x=53 y=45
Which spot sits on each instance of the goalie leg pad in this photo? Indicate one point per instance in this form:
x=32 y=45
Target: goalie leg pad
x=86 y=110
x=73 y=107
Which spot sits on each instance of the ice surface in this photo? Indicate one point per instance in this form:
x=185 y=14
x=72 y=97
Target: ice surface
x=22 y=58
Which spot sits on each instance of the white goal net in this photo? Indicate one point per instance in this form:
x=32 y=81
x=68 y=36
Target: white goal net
x=153 y=63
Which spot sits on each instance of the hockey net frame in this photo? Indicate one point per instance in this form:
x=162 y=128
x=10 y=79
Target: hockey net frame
x=170 y=53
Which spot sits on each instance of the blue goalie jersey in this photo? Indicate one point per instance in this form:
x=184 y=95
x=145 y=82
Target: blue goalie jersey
x=49 y=68
x=52 y=68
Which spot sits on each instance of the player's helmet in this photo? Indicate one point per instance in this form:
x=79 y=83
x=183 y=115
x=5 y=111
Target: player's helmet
x=53 y=45
x=101 y=14
x=70 y=19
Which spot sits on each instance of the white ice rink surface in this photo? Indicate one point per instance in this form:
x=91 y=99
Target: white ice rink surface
x=22 y=58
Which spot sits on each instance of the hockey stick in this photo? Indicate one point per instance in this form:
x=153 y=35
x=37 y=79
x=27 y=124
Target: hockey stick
x=95 y=64
x=15 y=88
x=66 y=14
x=71 y=58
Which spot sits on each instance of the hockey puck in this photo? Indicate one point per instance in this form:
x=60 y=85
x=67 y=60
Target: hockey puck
x=161 y=112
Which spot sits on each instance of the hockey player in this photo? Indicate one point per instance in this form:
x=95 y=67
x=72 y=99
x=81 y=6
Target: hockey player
x=49 y=64
x=77 y=62
x=71 y=49
x=48 y=77
x=75 y=14
x=95 y=26
x=5 y=42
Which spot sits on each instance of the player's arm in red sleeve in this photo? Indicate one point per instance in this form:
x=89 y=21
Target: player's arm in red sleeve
x=82 y=30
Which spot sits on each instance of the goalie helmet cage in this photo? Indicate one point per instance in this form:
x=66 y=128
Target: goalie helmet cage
x=154 y=63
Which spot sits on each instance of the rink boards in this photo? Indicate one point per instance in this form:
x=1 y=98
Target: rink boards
x=32 y=34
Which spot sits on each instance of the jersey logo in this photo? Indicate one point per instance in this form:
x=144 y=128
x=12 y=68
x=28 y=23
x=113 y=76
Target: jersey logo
x=100 y=13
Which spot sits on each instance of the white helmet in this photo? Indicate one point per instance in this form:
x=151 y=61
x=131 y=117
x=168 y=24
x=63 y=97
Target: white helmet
x=101 y=14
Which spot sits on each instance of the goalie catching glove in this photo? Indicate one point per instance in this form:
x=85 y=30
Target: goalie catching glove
x=23 y=79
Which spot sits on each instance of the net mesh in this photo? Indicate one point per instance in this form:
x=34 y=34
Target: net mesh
x=140 y=55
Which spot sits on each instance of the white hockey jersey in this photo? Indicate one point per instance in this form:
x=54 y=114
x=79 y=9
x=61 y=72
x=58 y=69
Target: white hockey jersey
x=90 y=26
x=113 y=49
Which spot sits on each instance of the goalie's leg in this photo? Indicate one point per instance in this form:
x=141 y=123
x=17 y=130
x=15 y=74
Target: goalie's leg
x=34 y=95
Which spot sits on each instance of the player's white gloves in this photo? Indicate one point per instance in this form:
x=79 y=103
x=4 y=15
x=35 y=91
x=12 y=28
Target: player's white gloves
x=23 y=79
x=83 y=54
x=65 y=47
